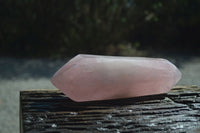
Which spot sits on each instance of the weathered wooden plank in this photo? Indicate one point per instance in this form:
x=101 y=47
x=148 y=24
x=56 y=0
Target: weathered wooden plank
x=51 y=111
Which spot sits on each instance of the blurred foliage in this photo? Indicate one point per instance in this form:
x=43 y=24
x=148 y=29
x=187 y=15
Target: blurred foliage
x=41 y=28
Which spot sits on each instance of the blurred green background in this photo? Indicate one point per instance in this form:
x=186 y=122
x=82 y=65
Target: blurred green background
x=64 y=28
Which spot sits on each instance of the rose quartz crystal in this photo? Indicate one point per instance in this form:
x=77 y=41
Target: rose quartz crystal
x=91 y=77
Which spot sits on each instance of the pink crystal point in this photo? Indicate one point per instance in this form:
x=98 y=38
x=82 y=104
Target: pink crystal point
x=91 y=77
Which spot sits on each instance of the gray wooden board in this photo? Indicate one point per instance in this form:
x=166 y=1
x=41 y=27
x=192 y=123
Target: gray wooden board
x=50 y=111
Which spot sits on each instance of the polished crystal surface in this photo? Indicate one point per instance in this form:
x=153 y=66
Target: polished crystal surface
x=92 y=77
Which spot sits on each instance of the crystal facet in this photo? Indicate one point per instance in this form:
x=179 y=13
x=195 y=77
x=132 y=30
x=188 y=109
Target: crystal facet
x=91 y=77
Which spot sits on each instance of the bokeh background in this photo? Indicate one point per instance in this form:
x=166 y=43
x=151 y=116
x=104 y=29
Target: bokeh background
x=65 y=28
x=38 y=36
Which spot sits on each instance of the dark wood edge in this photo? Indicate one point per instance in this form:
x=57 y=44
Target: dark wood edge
x=177 y=87
x=21 y=116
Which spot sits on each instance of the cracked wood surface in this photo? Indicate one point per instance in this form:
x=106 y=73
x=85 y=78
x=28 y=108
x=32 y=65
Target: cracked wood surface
x=51 y=111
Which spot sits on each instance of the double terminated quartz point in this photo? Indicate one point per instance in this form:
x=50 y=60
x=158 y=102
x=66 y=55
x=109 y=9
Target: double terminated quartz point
x=91 y=77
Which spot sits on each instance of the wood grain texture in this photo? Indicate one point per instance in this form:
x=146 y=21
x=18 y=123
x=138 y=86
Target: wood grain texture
x=50 y=111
